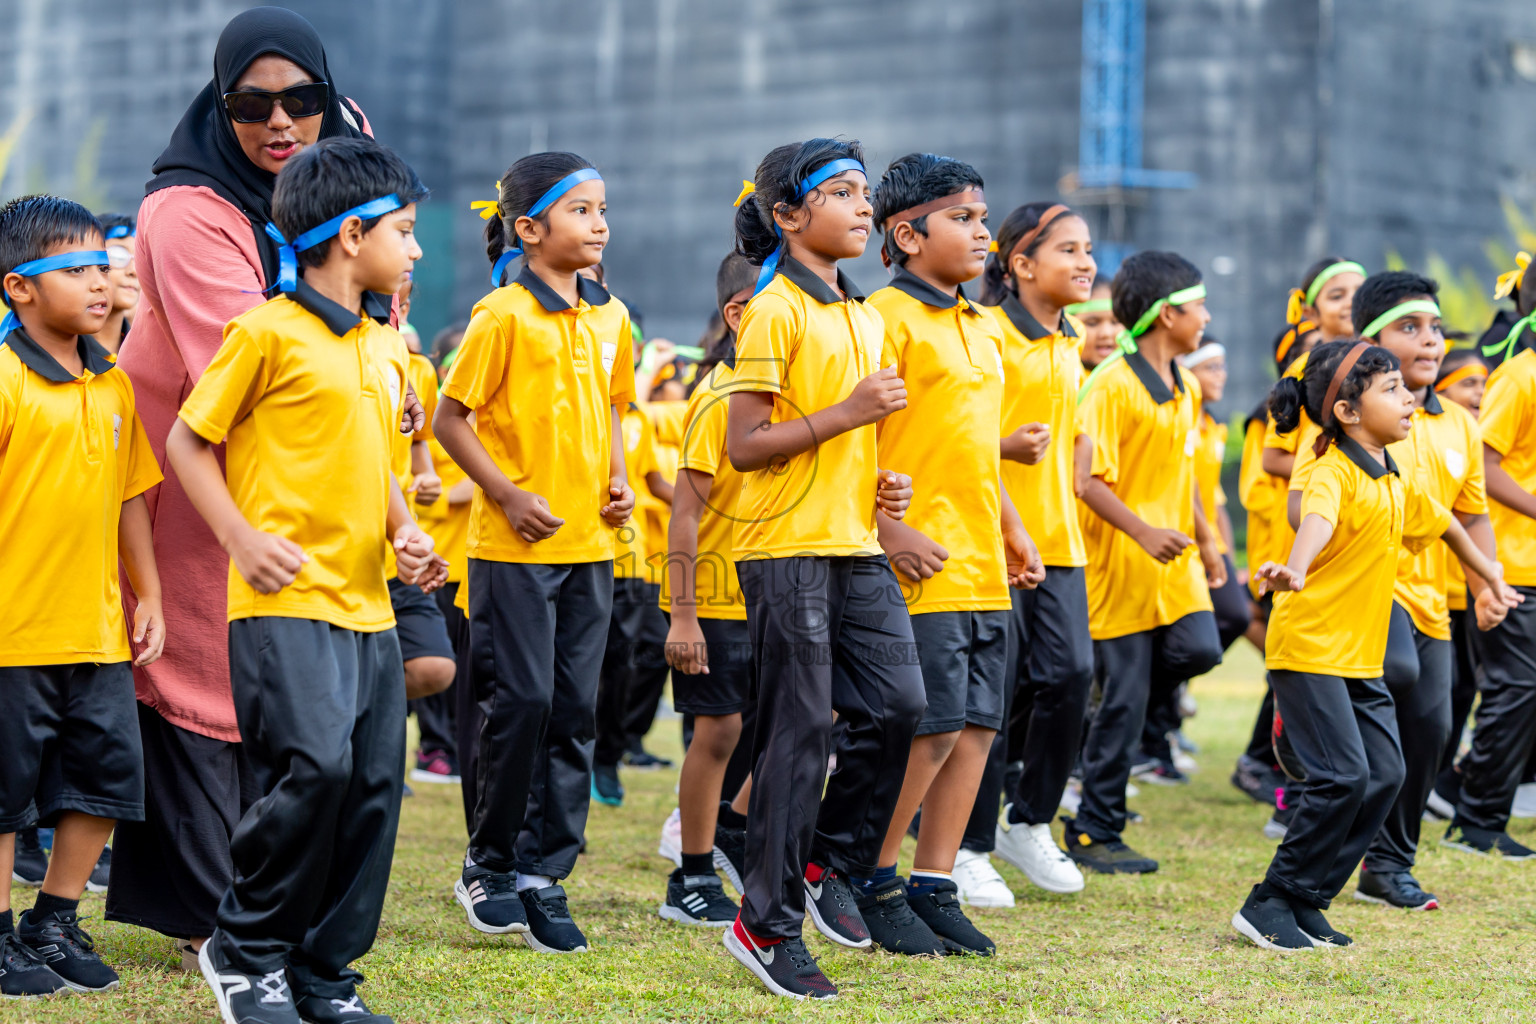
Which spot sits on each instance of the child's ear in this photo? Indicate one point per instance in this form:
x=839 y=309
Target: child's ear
x=906 y=238
x=1022 y=267
x=731 y=314
x=1345 y=413
x=350 y=237
x=18 y=290
x=529 y=231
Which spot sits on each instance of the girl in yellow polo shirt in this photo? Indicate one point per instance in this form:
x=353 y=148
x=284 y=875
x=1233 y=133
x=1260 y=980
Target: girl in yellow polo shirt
x=1328 y=633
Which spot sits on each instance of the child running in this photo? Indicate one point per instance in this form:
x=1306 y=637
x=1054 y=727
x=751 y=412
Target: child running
x=828 y=627
x=1328 y=633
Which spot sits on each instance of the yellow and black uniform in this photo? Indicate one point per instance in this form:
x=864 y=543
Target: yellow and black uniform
x=818 y=591
x=438 y=717
x=630 y=541
x=1263 y=497
x=948 y=351
x=667 y=438
x=1152 y=623
x=543 y=378
x=1505 y=729
x=72 y=451
x=1210 y=454
x=1325 y=650
x=309 y=395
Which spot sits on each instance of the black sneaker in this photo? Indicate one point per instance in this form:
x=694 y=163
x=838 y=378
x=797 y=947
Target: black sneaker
x=645 y=761
x=1257 y=780
x=1316 y=927
x=939 y=908
x=31 y=859
x=321 y=1010
x=490 y=900
x=606 y=788
x=892 y=923
x=69 y=951
x=698 y=900
x=101 y=873
x=24 y=974
x=731 y=853
x=1485 y=841
x=1395 y=889
x=1107 y=858
x=1267 y=920
x=786 y=967
x=834 y=910
x=550 y=928
x=246 y=998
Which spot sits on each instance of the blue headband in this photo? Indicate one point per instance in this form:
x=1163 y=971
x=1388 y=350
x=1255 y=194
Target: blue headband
x=62 y=261
x=288 y=253
x=815 y=178
x=120 y=231
x=547 y=200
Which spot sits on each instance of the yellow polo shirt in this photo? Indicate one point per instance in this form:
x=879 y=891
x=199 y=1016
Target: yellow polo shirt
x=542 y=377
x=807 y=346
x=72 y=450
x=1144 y=443
x=1338 y=624
x=949 y=353
x=630 y=549
x=715 y=586
x=1263 y=497
x=1210 y=455
x=448 y=524
x=667 y=429
x=309 y=396
x=1509 y=428
x=1042 y=371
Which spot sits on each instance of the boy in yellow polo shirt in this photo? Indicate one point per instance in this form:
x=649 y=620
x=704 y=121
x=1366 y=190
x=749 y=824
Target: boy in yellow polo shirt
x=1149 y=606
x=545 y=368
x=959 y=545
x=309 y=391
x=74 y=465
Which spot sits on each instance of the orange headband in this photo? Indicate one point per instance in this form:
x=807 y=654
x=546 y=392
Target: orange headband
x=1034 y=232
x=1290 y=337
x=970 y=195
x=1339 y=376
x=1460 y=374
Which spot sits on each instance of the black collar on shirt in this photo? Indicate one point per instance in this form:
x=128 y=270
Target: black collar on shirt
x=1432 y=403
x=589 y=291
x=1150 y=380
x=337 y=317
x=906 y=281
x=1028 y=326
x=36 y=358
x=1354 y=452
x=815 y=287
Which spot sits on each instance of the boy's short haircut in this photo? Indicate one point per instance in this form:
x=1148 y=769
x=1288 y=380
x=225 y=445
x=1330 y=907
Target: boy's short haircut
x=335 y=175
x=29 y=226
x=440 y=340
x=735 y=275
x=1146 y=277
x=915 y=179
x=1380 y=292
x=118 y=220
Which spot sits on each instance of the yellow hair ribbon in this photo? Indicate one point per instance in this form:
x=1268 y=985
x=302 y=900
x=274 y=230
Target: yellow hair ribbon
x=1294 y=304
x=747 y=188
x=489 y=207
x=1511 y=279
x=992 y=246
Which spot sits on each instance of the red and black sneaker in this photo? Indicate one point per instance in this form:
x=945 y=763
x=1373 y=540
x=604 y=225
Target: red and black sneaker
x=784 y=966
x=833 y=907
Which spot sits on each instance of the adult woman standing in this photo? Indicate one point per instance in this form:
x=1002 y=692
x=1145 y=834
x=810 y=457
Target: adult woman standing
x=203 y=259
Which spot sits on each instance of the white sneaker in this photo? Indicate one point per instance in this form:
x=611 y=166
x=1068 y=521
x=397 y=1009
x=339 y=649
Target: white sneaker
x=1072 y=797
x=1032 y=850
x=1525 y=801
x=1441 y=809
x=671 y=846
x=979 y=883
x=1184 y=762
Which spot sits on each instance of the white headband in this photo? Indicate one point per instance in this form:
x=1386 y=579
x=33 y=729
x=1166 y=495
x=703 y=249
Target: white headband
x=1203 y=354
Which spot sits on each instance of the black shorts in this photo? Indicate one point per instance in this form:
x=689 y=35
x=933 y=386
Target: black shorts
x=964 y=659
x=69 y=741
x=727 y=689
x=419 y=623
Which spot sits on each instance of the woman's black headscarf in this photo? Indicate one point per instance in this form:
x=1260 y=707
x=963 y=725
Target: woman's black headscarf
x=203 y=148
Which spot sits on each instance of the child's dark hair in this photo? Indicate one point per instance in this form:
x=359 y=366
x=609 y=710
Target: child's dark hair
x=1287 y=346
x=735 y=275
x=1291 y=397
x=524 y=184
x=442 y=340
x=331 y=177
x=1317 y=268
x=912 y=180
x=1455 y=359
x=997 y=279
x=29 y=226
x=1146 y=277
x=1382 y=291
x=111 y=221
x=777 y=184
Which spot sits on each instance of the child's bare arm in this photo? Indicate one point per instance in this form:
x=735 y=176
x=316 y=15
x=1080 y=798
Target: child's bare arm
x=136 y=546
x=1163 y=545
x=1314 y=535
x=752 y=439
x=415 y=558
x=617 y=512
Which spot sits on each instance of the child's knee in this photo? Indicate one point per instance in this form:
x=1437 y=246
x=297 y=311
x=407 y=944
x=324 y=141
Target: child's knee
x=427 y=676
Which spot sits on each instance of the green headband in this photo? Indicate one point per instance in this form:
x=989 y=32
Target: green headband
x=1342 y=267
x=1125 y=345
x=1402 y=309
x=448 y=358
x=1091 y=306
x=1507 y=346
x=1176 y=299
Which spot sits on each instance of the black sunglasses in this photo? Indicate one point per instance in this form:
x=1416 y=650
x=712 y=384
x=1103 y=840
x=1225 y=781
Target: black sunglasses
x=300 y=101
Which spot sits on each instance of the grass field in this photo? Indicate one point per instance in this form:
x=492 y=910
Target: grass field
x=1156 y=948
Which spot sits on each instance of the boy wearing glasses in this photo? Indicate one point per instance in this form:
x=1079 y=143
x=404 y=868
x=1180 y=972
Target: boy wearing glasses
x=123 y=278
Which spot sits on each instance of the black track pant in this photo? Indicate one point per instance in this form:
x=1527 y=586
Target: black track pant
x=1505 y=726
x=1230 y=602
x=1465 y=669
x=634 y=669
x=1344 y=733
x=828 y=634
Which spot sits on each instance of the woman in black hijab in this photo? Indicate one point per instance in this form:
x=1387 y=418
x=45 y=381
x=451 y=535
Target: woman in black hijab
x=203 y=259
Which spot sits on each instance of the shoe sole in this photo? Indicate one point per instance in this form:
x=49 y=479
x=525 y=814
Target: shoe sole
x=723 y=863
x=1241 y=925
x=607 y=801
x=989 y=904
x=539 y=947
x=28 y=882
x=419 y=775
x=77 y=987
x=1465 y=848
x=1380 y=901
x=462 y=895
x=832 y=934
x=1002 y=855
x=96 y=887
x=745 y=957
x=1113 y=869
x=671 y=913
x=1440 y=807
x=1318 y=943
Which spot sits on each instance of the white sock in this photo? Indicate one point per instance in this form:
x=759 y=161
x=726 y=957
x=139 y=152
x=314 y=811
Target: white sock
x=533 y=881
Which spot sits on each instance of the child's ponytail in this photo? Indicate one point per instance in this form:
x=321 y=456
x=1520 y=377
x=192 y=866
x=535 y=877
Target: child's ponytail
x=1285 y=404
x=495 y=238
x=755 y=239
